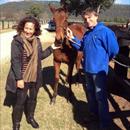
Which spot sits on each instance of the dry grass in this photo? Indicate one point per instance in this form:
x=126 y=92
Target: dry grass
x=5 y=30
x=63 y=115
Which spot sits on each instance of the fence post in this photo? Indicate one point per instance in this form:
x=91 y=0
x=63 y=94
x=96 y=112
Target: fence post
x=2 y=24
x=8 y=24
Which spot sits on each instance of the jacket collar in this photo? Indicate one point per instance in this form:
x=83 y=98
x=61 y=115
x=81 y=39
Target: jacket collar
x=18 y=38
x=98 y=26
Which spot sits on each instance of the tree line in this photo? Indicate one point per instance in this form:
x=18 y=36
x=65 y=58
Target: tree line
x=108 y=11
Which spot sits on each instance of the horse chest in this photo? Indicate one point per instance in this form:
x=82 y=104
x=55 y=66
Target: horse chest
x=61 y=56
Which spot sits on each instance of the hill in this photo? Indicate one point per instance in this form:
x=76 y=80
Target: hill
x=16 y=10
x=116 y=12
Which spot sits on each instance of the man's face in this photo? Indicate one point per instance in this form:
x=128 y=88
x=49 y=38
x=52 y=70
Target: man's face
x=90 y=20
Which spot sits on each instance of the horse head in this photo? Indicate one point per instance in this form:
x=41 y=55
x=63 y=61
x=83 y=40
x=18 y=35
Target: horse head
x=60 y=16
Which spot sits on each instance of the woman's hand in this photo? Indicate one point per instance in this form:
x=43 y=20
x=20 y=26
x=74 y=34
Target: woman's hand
x=20 y=84
x=55 y=47
x=69 y=34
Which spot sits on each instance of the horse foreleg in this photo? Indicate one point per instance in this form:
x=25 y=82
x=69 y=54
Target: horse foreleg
x=69 y=80
x=57 y=73
x=78 y=64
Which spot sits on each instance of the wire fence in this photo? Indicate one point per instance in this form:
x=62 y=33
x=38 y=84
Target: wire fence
x=8 y=24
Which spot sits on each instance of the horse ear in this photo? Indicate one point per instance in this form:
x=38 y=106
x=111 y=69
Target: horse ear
x=52 y=9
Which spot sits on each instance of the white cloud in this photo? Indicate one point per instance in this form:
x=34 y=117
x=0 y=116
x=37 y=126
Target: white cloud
x=122 y=2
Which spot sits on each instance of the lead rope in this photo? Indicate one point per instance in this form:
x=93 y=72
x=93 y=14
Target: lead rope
x=121 y=64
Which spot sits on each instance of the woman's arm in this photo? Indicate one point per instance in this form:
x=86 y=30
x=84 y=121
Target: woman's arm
x=16 y=61
x=45 y=53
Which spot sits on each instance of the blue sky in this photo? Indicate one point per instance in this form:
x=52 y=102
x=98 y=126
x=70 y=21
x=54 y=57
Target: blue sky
x=116 y=1
x=5 y=1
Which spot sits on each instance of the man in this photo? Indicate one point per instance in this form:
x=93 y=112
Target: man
x=99 y=46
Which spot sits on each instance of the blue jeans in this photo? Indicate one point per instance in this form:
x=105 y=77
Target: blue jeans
x=97 y=97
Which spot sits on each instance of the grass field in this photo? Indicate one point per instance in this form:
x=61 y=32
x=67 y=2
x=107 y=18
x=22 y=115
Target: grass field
x=63 y=115
x=60 y=116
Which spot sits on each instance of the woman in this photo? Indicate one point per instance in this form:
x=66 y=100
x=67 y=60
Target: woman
x=25 y=71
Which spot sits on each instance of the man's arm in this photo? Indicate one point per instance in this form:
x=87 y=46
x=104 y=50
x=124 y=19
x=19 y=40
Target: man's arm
x=76 y=43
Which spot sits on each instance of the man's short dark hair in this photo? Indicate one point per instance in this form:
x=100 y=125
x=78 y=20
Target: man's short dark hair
x=90 y=10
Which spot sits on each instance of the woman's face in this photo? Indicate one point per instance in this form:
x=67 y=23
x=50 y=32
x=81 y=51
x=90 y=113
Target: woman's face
x=29 y=29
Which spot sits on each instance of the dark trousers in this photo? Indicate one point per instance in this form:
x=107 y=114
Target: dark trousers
x=97 y=97
x=29 y=92
x=25 y=102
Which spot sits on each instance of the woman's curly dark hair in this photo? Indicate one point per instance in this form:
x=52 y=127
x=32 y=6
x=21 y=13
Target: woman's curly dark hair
x=31 y=19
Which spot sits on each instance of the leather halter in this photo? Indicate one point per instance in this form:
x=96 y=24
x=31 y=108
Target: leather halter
x=64 y=27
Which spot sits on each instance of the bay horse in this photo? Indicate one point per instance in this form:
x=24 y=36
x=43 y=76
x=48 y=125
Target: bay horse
x=66 y=54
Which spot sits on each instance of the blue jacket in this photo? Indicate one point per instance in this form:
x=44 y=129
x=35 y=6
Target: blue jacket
x=99 y=46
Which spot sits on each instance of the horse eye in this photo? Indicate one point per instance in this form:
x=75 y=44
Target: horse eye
x=53 y=19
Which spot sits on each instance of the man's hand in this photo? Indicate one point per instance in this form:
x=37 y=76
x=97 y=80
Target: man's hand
x=69 y=34
x=20 y=84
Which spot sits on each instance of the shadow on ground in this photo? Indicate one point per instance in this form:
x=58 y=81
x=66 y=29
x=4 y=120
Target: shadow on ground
x=117 y=88
x=80 y=109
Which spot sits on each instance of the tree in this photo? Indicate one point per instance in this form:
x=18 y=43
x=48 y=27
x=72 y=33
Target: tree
x=34 y=10
x=77 y=6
